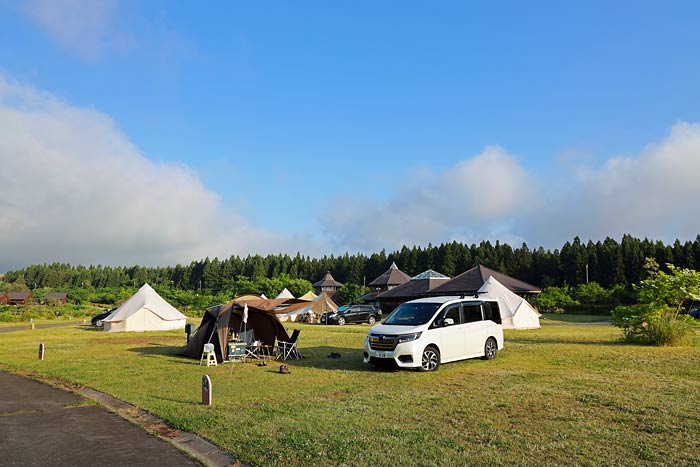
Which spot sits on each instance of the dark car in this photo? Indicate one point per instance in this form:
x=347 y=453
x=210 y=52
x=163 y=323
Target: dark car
x=97 y=319
x=352 y=314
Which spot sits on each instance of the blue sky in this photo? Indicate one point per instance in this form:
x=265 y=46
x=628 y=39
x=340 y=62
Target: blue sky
x=326 y=127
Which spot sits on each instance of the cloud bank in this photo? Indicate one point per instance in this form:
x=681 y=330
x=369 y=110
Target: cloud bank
x=73 y=188
x=477 y=197
x=651 y=194
x=494 y=196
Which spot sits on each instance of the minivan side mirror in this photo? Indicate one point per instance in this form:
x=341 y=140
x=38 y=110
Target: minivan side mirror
x=448 y=322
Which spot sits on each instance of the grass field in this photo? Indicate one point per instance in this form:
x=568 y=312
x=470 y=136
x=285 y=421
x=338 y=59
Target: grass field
x=560 y=395
x=564 y=318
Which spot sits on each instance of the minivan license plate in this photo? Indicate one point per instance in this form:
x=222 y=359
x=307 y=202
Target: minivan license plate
x=382 y=354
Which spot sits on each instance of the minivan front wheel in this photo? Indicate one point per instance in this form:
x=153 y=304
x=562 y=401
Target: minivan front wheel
x=490 y=348
x=430 y=360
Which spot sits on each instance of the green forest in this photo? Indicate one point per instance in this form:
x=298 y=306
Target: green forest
x=610 y=263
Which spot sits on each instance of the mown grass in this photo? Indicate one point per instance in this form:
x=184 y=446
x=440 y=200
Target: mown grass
x=564 y=318
x=560 y=395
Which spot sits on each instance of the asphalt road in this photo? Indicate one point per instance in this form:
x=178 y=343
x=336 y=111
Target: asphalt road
x=41 y=425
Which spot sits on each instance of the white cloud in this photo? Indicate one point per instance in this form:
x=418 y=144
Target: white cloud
x=476 y=199
x=73 y=188
x=652 y=194
x=82 y=27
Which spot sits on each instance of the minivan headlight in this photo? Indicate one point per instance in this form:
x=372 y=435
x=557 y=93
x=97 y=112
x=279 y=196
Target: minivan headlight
x=409 y=337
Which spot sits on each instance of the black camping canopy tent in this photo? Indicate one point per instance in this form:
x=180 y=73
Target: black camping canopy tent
x=220 y=321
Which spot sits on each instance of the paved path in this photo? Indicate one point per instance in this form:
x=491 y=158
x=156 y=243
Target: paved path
x=41 y=425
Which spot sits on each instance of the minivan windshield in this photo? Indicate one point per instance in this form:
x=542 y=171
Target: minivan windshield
x=412 y=314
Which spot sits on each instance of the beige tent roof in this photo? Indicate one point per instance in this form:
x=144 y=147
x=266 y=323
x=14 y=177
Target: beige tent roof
x=262 y=304
x=308 y=296
x=319 y=305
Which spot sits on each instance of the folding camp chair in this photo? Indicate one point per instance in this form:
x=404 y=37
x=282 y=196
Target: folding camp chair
x=248 y=337
x=289 y=348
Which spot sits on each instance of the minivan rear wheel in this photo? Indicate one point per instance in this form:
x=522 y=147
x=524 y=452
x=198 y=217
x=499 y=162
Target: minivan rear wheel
x=371 y=319
x=490 y=348
x=430 y=359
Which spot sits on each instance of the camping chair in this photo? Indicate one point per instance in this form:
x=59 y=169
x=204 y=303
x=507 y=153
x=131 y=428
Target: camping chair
x=248 y=337
x=208 y=356
x=289 y=348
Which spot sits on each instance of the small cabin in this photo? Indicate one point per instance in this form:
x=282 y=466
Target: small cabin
x=19 y=298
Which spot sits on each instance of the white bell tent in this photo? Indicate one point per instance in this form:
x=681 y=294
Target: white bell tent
x=516 y=312
x=145 y=311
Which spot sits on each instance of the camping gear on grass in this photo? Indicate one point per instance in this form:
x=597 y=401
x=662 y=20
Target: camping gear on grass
x=221 y=321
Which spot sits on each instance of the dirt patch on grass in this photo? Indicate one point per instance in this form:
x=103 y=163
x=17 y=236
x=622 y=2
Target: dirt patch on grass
x=138 y=340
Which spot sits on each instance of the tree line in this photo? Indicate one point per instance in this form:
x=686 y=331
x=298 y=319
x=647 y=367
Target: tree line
x=610 y=263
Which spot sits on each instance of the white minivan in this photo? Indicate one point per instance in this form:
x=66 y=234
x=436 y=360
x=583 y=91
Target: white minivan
x=426 y=332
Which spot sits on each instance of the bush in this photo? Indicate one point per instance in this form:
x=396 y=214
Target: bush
x=652 y=324
x=554 y=299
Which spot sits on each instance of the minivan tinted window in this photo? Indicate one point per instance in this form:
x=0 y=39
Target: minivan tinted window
x=492 y=312
x=412 y=314
x=472 y=313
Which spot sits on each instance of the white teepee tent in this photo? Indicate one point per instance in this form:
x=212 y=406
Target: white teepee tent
x=516 y=312
x=145 y=311
x=284 y=294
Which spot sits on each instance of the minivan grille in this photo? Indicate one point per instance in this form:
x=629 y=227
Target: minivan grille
x=382 y=342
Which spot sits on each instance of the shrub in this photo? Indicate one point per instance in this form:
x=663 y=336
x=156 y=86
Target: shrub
x=591 y=293
x=660 y=320
x=554 y=299
x=652 y=324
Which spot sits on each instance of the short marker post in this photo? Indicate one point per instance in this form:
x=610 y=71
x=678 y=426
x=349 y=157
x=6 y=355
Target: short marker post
x=206 y=390
x=41 y=351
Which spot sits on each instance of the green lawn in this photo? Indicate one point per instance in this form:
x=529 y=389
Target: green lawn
x=560 y=395
x=548 y=318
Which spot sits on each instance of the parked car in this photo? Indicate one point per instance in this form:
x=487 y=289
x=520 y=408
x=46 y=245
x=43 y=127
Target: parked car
x=427 y=332
x=352 y=314
x=97 y=319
